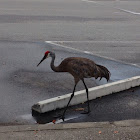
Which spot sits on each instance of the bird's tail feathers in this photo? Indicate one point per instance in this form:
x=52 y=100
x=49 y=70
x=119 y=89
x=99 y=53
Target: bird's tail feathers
x=104 y=72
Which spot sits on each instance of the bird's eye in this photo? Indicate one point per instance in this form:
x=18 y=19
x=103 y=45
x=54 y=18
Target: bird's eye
x=48 y=55
x=47 y=52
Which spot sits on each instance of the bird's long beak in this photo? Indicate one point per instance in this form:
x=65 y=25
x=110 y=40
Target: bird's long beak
x=42 y=60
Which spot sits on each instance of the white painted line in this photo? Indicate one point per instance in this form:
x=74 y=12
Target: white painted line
x=53 y=43
x=80 y=96
x=93 y=41
x=63 y=46
x=89 y=1
x=124 y=10
x=87 y=52
x=127 y=11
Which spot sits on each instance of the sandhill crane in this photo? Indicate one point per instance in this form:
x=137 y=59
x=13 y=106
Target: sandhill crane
x=79 y=68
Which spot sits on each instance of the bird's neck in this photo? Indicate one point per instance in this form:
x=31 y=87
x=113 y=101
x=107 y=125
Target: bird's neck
x=53 y=67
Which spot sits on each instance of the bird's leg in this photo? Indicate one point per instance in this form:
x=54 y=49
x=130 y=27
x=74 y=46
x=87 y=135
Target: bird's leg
x=68 y=102
x=87 y=98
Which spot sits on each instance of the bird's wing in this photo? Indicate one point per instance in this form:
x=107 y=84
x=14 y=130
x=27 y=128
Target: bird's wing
x=84 y=68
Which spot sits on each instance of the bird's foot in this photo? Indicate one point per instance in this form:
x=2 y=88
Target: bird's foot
x=62 y=117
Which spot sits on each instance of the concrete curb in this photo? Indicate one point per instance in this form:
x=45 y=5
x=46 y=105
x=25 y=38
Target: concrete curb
x=37 y=127
x=80 y=96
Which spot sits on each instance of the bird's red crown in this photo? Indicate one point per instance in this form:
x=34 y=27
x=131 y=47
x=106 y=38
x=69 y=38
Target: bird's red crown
x=46 y=53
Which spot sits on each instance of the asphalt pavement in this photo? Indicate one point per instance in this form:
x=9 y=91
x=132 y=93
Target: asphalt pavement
x=115 y=107
x=105 y=31
x=26 y=25
x=24 y=84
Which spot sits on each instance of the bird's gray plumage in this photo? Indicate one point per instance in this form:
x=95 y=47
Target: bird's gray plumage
x=79 y=68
